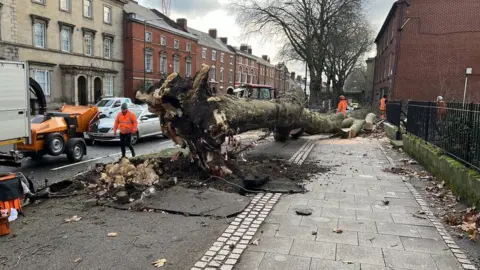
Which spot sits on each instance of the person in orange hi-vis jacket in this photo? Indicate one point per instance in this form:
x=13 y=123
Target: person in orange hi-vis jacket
x=342 y=105
x=383 y=106
x=126 y=121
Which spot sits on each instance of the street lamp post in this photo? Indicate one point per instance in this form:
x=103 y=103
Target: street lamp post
x=467 y=72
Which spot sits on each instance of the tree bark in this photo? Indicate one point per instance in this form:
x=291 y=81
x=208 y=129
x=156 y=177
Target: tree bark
x=192 y=117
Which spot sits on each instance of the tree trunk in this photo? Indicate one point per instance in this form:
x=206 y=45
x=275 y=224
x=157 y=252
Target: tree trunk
x=369 y=122
x=192 y=117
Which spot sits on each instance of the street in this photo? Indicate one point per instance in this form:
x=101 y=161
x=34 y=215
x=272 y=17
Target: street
x=59 y=168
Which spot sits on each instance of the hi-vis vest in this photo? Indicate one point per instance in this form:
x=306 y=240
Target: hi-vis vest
x=126 y=123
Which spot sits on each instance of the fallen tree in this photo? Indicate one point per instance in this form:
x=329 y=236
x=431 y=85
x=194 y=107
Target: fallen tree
x=193 y=118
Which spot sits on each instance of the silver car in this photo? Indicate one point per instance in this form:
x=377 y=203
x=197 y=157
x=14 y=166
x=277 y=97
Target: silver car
x=148 y=125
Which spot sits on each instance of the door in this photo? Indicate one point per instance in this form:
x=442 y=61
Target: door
x=97 y=89
x=82 y=91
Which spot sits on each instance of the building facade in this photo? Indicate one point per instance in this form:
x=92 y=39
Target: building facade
x=369 y=80
x=266 y=70
x=155 y=46
x=74 y=48
x=246 y=68
x=424 y=49
x=214 y=52
x=282 y=76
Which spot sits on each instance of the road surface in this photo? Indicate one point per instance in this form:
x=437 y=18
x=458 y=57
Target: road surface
x=59 y=168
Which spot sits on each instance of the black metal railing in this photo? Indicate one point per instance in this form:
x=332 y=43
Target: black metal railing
x=394 y=112
x=453 y=127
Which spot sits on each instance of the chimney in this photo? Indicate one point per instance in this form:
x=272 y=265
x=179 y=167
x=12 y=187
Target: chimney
x=213 y=33
x=244 y=47
x=183 y=23
x=224 y=40
x=299 y=78
x=265 y=57
x=249 y=49
x=292 y=75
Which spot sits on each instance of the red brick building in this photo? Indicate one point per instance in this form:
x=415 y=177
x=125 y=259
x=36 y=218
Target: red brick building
x=214 y=51
x=246 y=70
x=281 y=78
x=169 y=47
x=266 y=71
x=424 y=48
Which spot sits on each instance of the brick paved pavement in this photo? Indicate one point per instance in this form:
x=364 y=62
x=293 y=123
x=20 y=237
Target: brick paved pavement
x=375 y=236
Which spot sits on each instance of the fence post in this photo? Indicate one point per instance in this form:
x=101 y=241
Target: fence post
x=398 y=135
x=470 y=133
x=427 y=122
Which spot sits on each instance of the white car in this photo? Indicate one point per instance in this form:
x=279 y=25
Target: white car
x=107 y=104
x=148 y=125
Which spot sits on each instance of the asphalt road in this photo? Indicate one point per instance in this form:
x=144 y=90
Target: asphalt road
x=59 y=168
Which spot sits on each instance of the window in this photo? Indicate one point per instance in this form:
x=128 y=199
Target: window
x=163 y=40
x=39 y=1
x=163 y=63
x=240 y=59
x=231 y=59
x=222 y=56
x=188 y=72
x=204 y=53
x=87 y=8
x=107 y=48
x=176 y=44
x=43 y=79
x=39 y=30
x=189 y=47
x=176 y=64
x=214 y=55
x=66 y=39
x=239 y=74
x=148 y=61
x=391 y=64
x=230 y=76
x=246 y=61
x=108 y=86
x=213 y=72
x=65 y=5
x=148 y=36
x=88 y=50
x=221 y=74
x=107 y=14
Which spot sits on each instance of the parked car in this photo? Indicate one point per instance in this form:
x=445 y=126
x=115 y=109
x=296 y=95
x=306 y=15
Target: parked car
x=107 y=104
x=148 y=125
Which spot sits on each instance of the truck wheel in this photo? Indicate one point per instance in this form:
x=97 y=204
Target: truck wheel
x=54 y=144
x=75 y=149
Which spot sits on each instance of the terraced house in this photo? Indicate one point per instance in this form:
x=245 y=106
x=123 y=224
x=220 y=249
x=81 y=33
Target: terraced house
x=214 y=52
x=73 y=47
x=155 y=46
x=247 y=68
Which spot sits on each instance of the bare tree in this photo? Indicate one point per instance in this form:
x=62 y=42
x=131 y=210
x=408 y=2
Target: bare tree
x=304 y=23
x=349 y=39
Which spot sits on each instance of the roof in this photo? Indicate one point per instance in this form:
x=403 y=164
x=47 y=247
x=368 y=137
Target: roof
x=389 y=17
x=142 y=13
x=263 y=61
x=242 y=53
x=204 y=39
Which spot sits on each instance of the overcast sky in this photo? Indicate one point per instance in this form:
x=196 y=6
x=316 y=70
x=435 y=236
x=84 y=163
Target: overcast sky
x=205 y=14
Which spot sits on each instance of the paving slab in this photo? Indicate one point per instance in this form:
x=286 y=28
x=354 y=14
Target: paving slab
x=373 y=216
x=284 y=262
x=320 y=264
x=425 y=245
x=409 y=260
x=446 y=262
x=328 y=235
x=313 y=249
x=296 y=232
x=428 y=232
x=410 y=220
x=250 y=260
x=319 y=222
x=380 y=241
x=357 y=225
x=397 y=229
x=273 y=245
x=358 y=254
x=338 y=213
